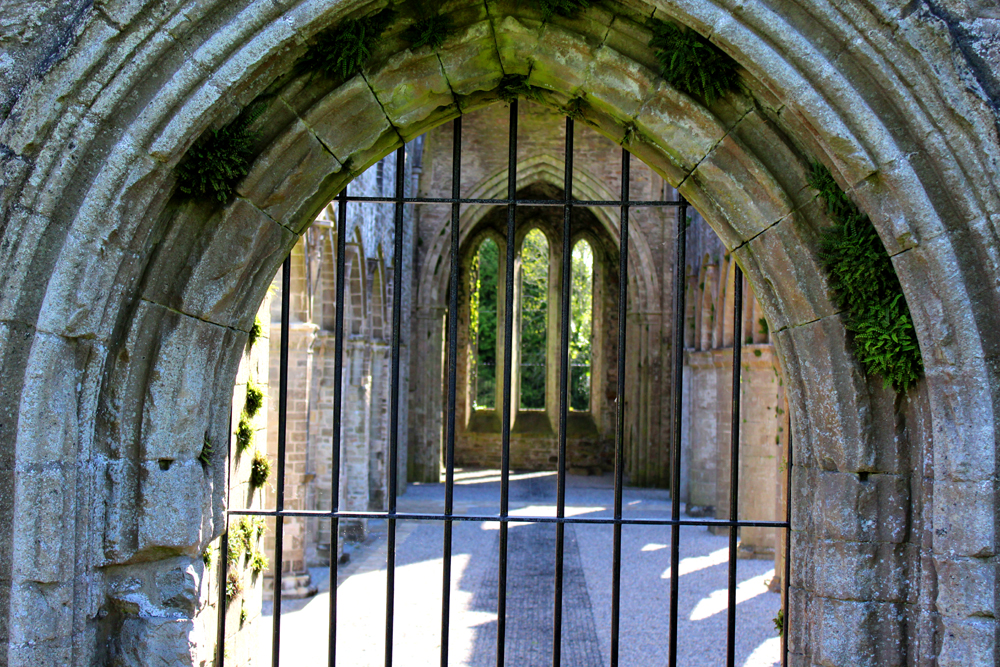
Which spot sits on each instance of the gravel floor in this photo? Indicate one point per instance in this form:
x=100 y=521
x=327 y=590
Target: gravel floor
x=586 y=624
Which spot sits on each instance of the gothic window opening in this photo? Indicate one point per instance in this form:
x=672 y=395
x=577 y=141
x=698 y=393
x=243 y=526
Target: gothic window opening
x=581 y=325
x=483 y=324
x=534 y=319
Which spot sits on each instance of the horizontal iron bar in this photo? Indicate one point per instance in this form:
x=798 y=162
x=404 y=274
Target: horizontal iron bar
x=519 y=202
x=407 y=516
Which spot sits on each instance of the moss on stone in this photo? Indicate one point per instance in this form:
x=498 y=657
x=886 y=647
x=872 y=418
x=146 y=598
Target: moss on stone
x=514 y=86
x=220 y=158
x=691 y=63
x=244 y=434
x=254 y=400
x=866 y=287
x=431 y=31
x=256 y=331
x=344 y=50
x=260 y=470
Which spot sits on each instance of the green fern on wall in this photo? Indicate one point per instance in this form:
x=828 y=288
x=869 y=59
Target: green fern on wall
x=344 y=50
x=691 y=63
x=567 y=8
x=866 y=287
x=431 y=31
x=260 y=470
x=220 y=158
x=254 y=400
x=513 y=86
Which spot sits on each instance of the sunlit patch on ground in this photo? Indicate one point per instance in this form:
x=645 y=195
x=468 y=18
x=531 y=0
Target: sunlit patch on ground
x=645 y=592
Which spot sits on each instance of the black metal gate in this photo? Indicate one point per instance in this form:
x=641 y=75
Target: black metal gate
x=504 y=519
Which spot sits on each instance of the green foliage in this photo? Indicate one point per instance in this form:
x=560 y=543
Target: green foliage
x=691 y=63
x=631 y=132
x=779 y=621
x=574 y=109
x=260 y=470
x=205 y=457
x=483 y=322
x=866 y=287
x=567 y=8
x=534 y=319
x=259 y=562
x=764 y=329
x=431 y=31
x=581 y=324
x=344 y=50
x=234 y=586
x=208 y=555
x=514 y=86
x=234 y=545
x=245 y=532
x=220 y=158
x=243 y=615
x=254 y=400
x=256 y=331
x=244 y=434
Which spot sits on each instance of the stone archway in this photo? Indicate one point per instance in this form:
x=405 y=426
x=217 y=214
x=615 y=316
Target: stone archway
x=142 y=303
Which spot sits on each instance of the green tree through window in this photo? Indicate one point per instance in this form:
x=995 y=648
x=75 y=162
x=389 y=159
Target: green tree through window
x=581 y=327
x=483 y=324
x=534 y=319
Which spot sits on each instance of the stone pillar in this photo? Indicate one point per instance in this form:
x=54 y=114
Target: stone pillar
x=356 y=434
x=425 y=415
x=704 y=418
x=760 y=448
x=295 y=579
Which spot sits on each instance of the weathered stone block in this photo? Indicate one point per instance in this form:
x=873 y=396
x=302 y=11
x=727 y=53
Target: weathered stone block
x=175 y=415
x=964 y=519
x=281 y=182
x=470 y=61
x=618 y=86
x=818 y=362
x=168 y=641
x=171 y=496
x=42 y=544
x=218 y=276
x=967 y=642
x=843 y=507
x=786 y=273
x=352 y=105
x=966 y=587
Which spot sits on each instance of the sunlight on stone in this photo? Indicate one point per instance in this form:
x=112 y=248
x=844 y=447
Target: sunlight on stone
x=655 y=547
x=695 y=563
x=539 y=510
x=718 y=601
x=765 y=655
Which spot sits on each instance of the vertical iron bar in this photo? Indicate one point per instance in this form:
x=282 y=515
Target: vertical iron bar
x=338 y=377
x=508 y=345
x=620 y=410
x=734 y=462
x=449 y=483
x=397 y=312
x=279 y=521
x=786 y=606
x=680 y=276
x=220 y=637
x=564 y=381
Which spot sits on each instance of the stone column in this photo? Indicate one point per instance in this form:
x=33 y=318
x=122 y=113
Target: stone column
x=295 y=579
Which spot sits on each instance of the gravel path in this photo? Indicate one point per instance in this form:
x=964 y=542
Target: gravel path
x=587 y=587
